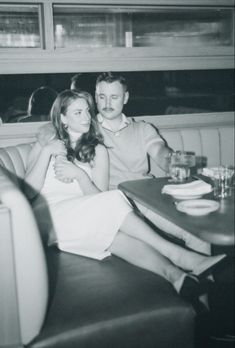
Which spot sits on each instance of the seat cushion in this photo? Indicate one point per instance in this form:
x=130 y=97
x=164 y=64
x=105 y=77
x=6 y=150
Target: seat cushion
x=112 y=304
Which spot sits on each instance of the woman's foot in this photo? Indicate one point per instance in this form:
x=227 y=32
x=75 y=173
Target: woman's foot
x=207 y=264
x=191 y=291
x=191 y=288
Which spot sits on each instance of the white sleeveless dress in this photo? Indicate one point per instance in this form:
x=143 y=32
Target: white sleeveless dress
x=84 y=225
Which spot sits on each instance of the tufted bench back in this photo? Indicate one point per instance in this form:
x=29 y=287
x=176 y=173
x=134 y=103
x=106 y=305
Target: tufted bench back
x=214 y=143
x=23 y=269
x=14 y=160
x=213 y=146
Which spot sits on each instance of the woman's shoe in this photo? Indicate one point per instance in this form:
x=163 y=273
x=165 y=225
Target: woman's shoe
x=200 y=308
x=190 y=289
x=207 y=265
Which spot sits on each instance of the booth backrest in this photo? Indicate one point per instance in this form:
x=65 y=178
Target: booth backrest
x=213 y=146
x=214 y=143
x=23 y=270
x=14 y=159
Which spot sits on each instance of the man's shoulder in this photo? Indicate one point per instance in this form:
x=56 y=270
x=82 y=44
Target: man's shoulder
x=46 y=133
x=145 y=130
x=140 y=124
x=133 y=122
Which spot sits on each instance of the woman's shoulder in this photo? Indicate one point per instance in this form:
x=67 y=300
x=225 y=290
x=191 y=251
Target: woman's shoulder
x=101 y=155
x=101 y=150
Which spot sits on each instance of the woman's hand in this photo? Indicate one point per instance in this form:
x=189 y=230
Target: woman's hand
x=67 y=171
x=56 y=148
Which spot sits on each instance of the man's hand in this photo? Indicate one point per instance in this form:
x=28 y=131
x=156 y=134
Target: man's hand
x=56 y=148
x=66 y=171
x=65 y=180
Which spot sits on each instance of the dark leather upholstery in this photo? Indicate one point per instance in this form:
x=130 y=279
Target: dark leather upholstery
x=111 y=304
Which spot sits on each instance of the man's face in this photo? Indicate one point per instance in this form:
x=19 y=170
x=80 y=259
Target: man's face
x=110 y=98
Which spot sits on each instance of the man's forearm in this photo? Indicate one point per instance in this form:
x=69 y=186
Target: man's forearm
x=164 y=158
x=161 y=155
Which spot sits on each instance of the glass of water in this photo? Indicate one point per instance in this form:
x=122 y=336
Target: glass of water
x=223 y=178
x=180 y=163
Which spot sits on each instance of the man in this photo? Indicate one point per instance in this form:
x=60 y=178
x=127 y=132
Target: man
x=129 y=143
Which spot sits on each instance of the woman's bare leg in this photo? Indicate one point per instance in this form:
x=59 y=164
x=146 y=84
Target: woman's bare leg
x=144 y=256
x=135 y=227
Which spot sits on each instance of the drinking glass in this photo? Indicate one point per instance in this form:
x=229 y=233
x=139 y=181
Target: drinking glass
x=222 y=178
x=180 y=163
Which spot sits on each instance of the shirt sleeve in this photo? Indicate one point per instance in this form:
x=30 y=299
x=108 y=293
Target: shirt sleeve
x=151 y=136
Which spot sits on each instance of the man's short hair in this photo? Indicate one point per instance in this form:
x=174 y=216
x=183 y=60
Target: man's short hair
x=110 y=77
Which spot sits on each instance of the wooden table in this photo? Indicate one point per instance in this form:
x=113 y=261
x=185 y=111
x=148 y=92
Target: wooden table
x=216 y=227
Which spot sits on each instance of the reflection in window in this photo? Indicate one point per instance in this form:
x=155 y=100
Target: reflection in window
x=184 y=27
x=74 y=27
x=19 y=26
x=126 y=26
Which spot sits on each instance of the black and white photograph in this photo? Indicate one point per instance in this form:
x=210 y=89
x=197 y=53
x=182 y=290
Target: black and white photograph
x=117 y=174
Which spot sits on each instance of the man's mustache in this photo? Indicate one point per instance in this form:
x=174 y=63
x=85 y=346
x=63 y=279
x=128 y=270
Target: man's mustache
x=108 y=109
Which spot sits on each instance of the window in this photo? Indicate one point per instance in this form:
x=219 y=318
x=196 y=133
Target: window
x=125 y=26
x=19 y=26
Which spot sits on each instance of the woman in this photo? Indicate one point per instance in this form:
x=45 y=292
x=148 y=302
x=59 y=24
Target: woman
x=72 y=173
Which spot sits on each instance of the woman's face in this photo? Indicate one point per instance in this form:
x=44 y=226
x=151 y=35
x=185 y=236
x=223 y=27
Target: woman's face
x=77 y=117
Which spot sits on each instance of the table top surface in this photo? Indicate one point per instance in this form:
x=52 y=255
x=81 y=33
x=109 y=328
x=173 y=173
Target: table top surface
x=216 y=227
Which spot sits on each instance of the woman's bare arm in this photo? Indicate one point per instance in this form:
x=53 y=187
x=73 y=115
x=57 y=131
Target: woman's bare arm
x=37 y=165
x=65 y=169
x=100 y=170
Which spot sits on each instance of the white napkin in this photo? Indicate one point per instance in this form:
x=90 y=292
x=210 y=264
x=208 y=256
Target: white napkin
x=193 y=188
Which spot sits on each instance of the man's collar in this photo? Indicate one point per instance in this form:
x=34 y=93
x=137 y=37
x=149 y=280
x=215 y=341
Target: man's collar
x=104 y=123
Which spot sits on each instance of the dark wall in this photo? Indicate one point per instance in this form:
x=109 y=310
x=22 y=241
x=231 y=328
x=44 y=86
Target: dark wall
x=154 y=92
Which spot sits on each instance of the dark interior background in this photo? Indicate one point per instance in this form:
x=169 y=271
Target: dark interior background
x=151 y=92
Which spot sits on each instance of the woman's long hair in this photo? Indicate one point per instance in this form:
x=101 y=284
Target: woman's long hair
x=85 y=147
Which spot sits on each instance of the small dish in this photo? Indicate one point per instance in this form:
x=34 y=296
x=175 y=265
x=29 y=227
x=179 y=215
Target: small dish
x=192 y=190
x=198 y=207
x=185 y=197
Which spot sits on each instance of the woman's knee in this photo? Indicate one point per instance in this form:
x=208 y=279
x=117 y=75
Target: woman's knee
x=118 y=243
x=124 y=245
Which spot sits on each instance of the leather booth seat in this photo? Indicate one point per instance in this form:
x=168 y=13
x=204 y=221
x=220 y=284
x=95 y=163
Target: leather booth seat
x=55 y=299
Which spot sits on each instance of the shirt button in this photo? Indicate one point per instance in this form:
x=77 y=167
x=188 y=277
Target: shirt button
x=116 y=134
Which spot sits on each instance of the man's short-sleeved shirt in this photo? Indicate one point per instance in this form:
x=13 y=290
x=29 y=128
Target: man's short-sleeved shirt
x=128 y=148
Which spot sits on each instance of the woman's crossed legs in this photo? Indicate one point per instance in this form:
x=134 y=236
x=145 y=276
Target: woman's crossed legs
x=137 y=243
